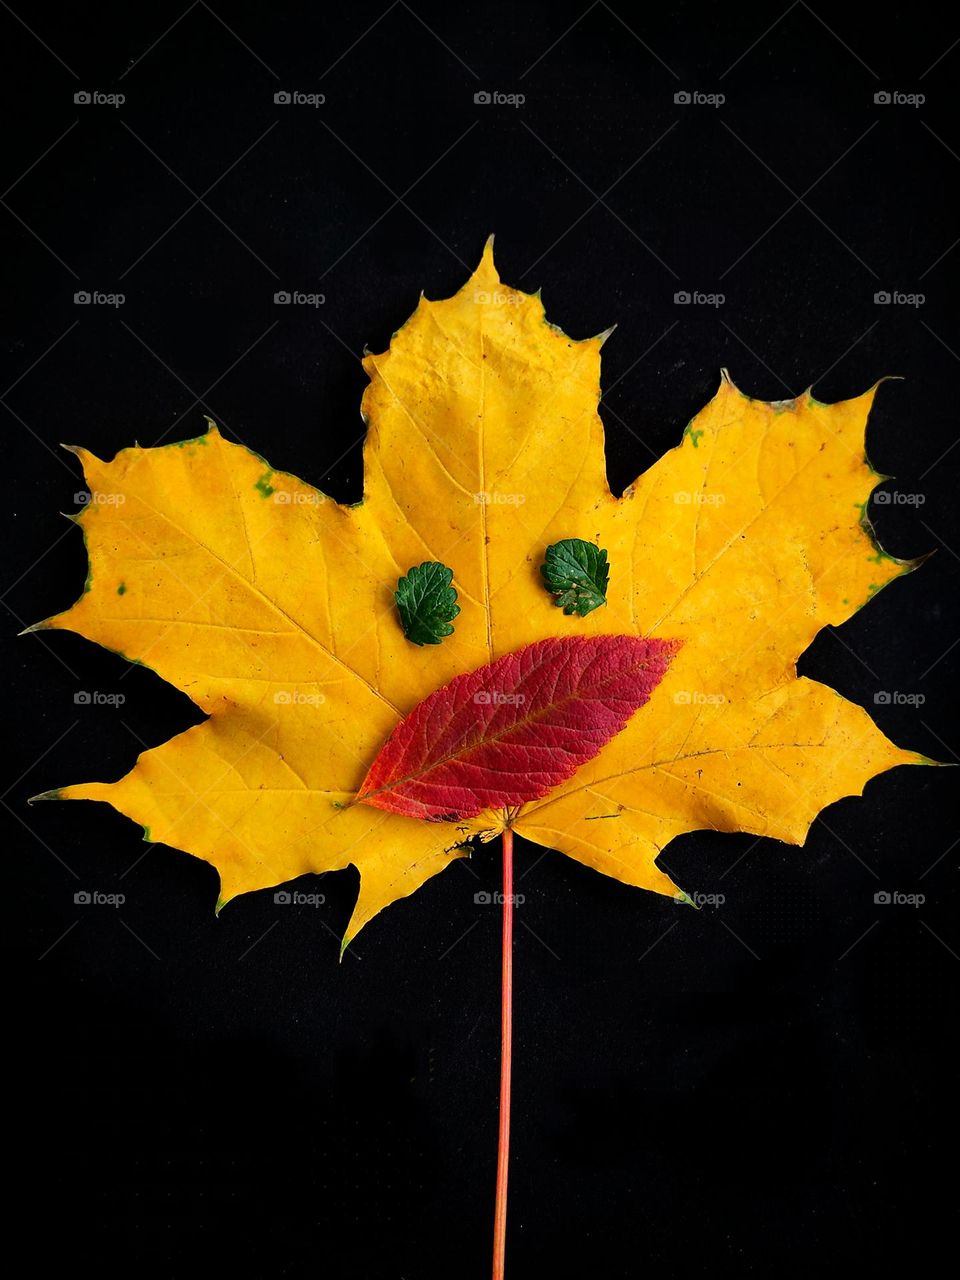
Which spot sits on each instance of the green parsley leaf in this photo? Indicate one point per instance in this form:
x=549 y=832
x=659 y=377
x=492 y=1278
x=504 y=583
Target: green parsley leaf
x=427 y=603
x=577 y=573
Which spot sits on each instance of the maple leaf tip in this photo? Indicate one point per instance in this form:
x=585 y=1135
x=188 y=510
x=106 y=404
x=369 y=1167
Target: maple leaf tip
x=916 y=561
x=221 y=903
x=36 y=626
x=55 y=794
x=727 y=384
x=486 y=265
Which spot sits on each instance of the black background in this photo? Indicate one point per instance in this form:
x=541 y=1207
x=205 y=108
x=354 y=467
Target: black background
x=763 y=1087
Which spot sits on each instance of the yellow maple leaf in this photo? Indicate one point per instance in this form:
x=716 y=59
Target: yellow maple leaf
x=272 y=606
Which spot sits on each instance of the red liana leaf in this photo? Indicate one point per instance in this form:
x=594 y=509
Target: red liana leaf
x=513 y=730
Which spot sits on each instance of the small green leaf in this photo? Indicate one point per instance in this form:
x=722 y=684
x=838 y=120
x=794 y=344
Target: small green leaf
x=427 y=603
x=577 y=573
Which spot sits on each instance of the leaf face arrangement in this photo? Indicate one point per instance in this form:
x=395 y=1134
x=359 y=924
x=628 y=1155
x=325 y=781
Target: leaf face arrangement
x=515 y=729
x=273 y=607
